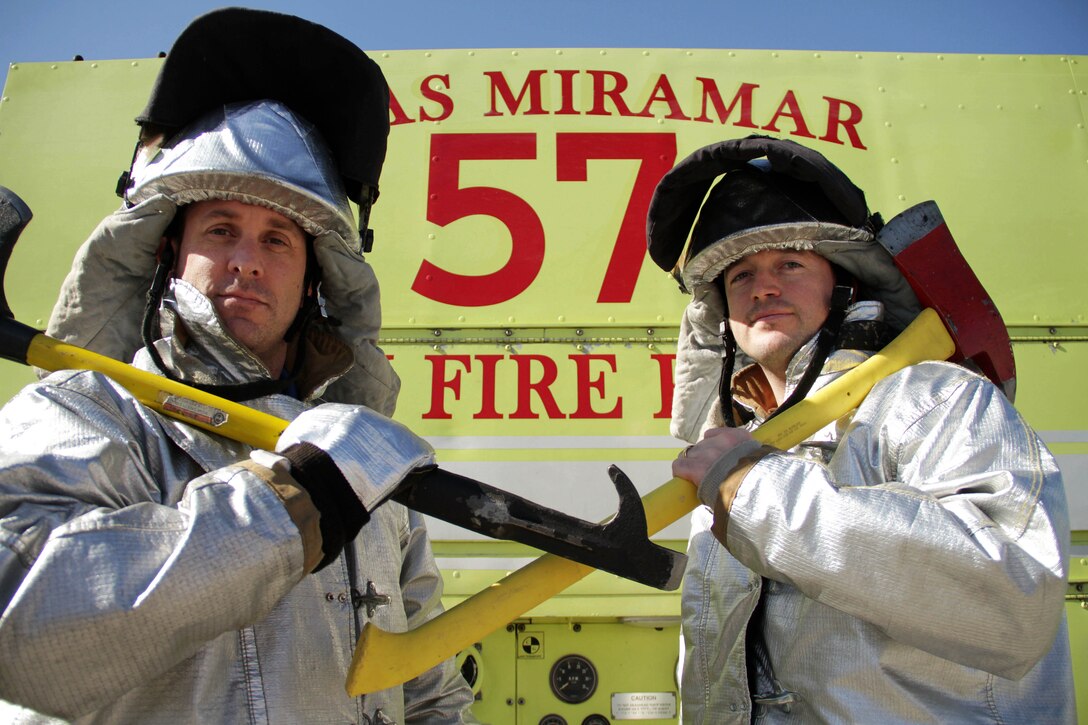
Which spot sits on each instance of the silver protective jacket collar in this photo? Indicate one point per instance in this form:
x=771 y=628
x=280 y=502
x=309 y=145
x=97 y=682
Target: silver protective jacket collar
x=199 y=348
x=256 y=153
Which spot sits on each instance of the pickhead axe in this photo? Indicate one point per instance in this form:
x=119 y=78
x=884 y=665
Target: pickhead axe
x=620 y=546
x=959 y=322
x=926 y=254
x=14 y=216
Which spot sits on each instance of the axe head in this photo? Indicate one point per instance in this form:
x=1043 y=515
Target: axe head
x=927 y=255
x=14 y=216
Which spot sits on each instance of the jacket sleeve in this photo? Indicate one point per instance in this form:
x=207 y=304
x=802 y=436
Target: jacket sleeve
x=114 y=565
x=940 y=519
x=440 y=694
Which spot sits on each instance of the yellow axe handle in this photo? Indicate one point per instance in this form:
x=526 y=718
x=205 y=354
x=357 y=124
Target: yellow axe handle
x=177 y=400
x=384 y=659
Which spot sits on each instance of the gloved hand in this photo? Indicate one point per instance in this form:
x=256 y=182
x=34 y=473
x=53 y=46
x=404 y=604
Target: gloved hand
x=372 y=452
x=711 y=460
x=349 y=459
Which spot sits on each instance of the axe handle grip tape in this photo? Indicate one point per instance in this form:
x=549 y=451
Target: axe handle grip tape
x=385 y=659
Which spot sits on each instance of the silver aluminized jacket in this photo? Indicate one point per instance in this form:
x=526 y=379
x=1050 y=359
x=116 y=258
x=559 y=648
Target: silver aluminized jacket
x=147 y=577
x=914 y=554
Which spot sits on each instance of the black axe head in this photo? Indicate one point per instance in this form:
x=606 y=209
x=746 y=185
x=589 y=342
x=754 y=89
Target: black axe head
x=14 y=216
x=926 y=254
x=620 y=546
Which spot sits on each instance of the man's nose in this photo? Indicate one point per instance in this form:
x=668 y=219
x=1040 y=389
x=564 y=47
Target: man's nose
x=765 y=284
x=245 y=258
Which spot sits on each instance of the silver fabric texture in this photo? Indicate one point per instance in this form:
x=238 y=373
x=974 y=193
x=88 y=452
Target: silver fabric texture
x=147 y=577
x=101 y=302
x=373 y=452
x=914 y=553
x=256 y=153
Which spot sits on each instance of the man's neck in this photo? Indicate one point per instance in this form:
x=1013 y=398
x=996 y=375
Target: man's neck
x=751 y=390
x=274 y=361
x=777 y=382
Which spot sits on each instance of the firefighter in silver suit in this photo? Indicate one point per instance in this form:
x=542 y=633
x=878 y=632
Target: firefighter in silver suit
x=154 y=572
x=906 y=563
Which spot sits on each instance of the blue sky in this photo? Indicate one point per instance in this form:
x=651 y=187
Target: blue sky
x=48 y=30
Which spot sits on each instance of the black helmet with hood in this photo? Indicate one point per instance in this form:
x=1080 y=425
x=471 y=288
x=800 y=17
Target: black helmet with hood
x=239 y=55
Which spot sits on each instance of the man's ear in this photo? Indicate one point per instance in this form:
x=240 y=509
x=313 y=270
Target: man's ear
x=312 y=277
x=168 y=254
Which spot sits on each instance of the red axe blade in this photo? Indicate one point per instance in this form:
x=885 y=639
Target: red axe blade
x=928 y=257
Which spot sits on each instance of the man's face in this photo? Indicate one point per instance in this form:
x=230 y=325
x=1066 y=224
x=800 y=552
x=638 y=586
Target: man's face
x=251 y=263
x=777 y=299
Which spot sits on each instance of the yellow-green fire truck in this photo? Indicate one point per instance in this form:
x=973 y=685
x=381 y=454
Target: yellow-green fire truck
x=535 y=339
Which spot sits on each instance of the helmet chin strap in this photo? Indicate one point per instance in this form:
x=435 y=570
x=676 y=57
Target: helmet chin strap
x=842 y=296
x=730 y=413
x=237 y=392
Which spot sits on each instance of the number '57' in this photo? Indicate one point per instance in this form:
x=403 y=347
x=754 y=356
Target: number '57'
x=447 y=202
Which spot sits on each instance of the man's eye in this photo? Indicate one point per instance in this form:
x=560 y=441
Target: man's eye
x=739 y=277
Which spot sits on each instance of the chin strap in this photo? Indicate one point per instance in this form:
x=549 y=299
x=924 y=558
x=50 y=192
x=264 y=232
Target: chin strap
x=841 y=298
x=236 y=392
x=835 y=333
x=731 y=414
x=153 y=300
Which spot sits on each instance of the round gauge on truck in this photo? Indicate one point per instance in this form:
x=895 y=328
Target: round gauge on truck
x=553 y=720
x=573 y=679
x=596 y=720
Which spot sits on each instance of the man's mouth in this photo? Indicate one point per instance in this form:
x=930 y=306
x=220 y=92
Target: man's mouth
x=243 y=295
x=769 y=316
x=237 y=297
